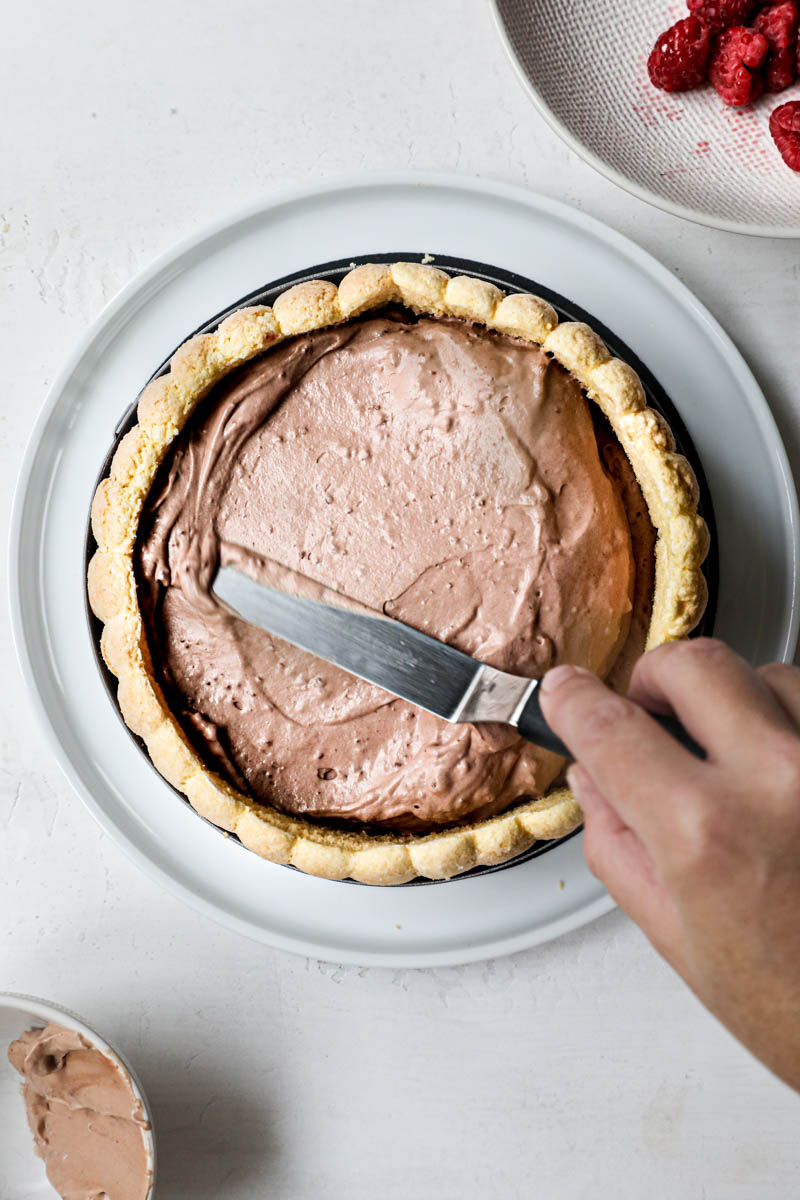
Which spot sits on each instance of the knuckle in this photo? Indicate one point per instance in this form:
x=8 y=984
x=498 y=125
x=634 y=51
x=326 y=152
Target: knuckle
x=702 y=649
x=710 y=647
x=690 y=651
x=698 y=825
x=783 y=678
x=780 y=671
x=669 y=662
x=783 y=753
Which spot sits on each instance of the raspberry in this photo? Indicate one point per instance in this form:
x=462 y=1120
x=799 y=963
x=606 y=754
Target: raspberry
x=778 y=23
x=781 y=70
x=736 y=57
x=679 y=58
x=721 y=14
x=784 y=125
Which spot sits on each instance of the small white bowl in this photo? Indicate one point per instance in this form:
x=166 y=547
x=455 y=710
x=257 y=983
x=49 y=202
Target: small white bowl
x=21 y=1170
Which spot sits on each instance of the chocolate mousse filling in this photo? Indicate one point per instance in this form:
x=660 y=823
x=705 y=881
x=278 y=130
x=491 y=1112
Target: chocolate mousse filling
x=87 y=1123
x=439 y=473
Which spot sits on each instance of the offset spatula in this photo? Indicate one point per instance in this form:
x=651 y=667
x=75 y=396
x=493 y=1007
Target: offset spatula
x=403 y=661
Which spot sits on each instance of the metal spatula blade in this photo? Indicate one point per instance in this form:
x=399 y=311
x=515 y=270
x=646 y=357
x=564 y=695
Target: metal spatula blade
x=401 y=660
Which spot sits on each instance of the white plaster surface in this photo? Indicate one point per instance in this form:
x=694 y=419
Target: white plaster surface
x=581 y=1069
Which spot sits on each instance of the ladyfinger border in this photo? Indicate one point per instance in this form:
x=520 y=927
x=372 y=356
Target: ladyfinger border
x=665 y=477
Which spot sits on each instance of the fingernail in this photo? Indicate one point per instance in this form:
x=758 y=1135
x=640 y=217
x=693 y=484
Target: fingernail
x=558 y=675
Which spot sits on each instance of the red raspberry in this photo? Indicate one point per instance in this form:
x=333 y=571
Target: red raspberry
x=736 y=57
x=784 y=125
x=778 y=23
x=781 y=70
x=679 y=58
x=721 y=14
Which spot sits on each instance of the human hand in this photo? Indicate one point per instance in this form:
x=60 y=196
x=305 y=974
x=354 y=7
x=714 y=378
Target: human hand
x=704 y=856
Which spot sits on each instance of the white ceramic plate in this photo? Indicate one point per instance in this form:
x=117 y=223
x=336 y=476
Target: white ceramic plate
x=584 y=65
x=22 y=1174
x=640 y=301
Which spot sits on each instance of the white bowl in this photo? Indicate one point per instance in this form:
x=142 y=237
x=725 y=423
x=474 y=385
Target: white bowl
x=22 y=1175
x=584 y=65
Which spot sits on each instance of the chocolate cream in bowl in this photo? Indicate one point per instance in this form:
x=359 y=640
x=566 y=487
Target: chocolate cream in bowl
x=87 y=1123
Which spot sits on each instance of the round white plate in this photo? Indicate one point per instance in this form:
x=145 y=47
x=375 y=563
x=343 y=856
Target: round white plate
x=585 y=68
x=639 y=300
x=22 y=1173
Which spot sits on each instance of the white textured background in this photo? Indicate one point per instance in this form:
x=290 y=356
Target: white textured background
x=583 y=1069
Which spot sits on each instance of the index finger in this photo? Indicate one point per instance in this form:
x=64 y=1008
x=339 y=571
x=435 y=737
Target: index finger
x=633 y=762
x=716 y=694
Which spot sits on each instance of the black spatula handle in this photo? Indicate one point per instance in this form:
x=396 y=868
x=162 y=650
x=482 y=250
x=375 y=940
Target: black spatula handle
x=534 y=728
